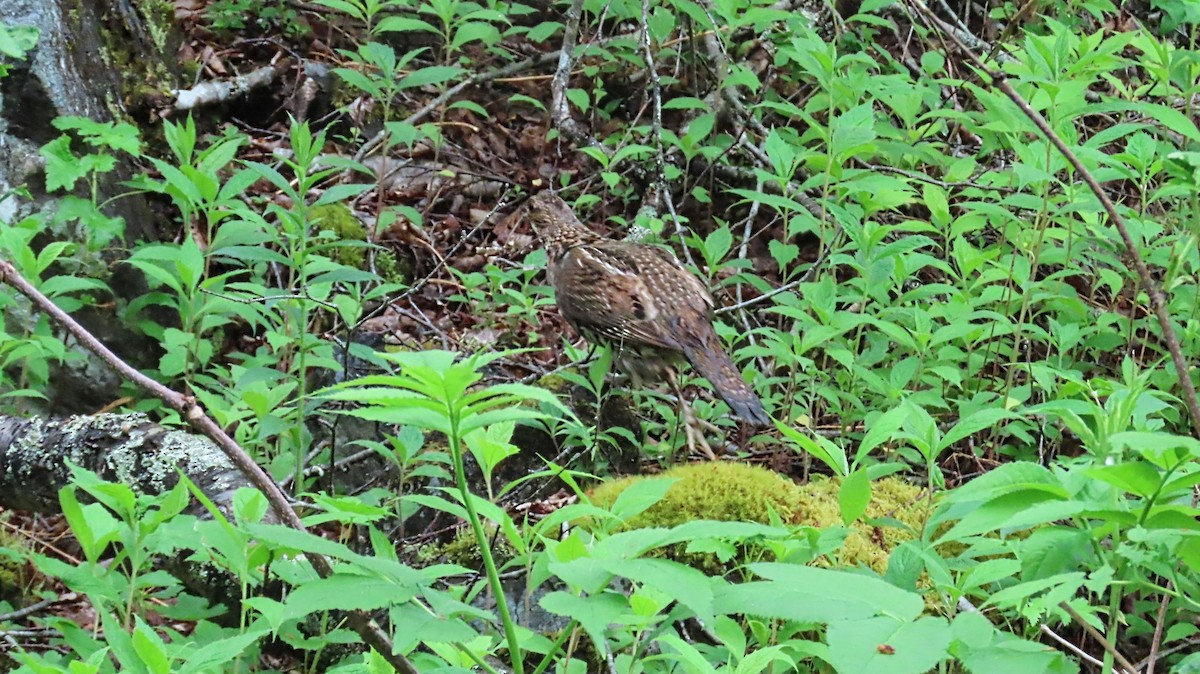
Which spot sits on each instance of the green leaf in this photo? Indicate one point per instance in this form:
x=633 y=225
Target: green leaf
x=474 y=31
x=1005 y=479
x=762 y=660
x=491 y=444
x=470 y=105
x=854 y=495
x=973 y=423
x=412 y=414
x=579 y=98
x=222 y=651
x=883 y=428
x=1053 y=550
x=414 y=624
x=1171 y=118
x=93 y=526
x=685 y=103
x=387 y=570
x=341 y=192
x=819 y=446
x=346 y=592
x=885 y=644
x=150 y=648
x=853 y=132
x=15 y=41
x=779 y=203
x=640 y=496
x=983 y=649
x=807 y=594
x=522 y=98
x=1016 y=595
x=430 y=75
x=1014 y=511
x=683 y=653
x=63 y=169
x=543 y=31
x=122 y=645
x=349 y=8
x=987 y=572
x=594 y=613
x=684 y=584
x=1135 y=477
x=717 y=245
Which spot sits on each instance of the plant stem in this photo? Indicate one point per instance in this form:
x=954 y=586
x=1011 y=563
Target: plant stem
x=485 y=551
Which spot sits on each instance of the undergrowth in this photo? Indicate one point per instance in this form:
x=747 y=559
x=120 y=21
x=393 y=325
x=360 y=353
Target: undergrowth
x=920 y=285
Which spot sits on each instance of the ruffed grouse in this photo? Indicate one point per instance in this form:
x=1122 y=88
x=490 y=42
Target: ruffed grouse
x=640 y=300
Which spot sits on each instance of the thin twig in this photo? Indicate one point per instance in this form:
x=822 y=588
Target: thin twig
x=965 y=604
x=1079 y=652
x=560 y=110
x=34 y=608
x=1156 y=642
x=1095 y=634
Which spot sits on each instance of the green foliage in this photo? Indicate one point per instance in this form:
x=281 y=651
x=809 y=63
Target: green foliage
x=274 y=272
x=433 y=390
x=15 y=43
x=511 y=298
x=972 y=323
x=237 y=15
x=66 y=167
x=29 y=347
x=17 y=583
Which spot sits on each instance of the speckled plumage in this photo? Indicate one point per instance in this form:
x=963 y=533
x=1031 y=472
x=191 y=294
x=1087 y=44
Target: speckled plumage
x=639 y=299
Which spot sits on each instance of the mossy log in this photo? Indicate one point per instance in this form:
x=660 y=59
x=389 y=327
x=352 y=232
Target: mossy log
x=124 y=448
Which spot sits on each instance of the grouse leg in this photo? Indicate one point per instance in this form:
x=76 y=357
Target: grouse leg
x=691 y=423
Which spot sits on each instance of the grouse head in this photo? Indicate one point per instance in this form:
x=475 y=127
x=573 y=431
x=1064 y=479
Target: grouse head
x=556 y=225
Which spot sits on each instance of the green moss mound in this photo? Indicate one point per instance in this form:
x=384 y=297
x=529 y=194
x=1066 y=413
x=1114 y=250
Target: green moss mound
x=734 y=492
x=869 y=544
x=726 y=492
x=345 y=226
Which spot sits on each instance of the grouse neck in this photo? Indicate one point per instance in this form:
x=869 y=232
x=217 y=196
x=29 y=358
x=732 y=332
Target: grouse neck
x=568 y=239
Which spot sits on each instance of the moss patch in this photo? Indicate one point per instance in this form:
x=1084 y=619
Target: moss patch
x=734 y=492
x=867 y=543
x=16 y=577
x=340 y=221
x=463 y=550
x=726 y=492
x=145 y=79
